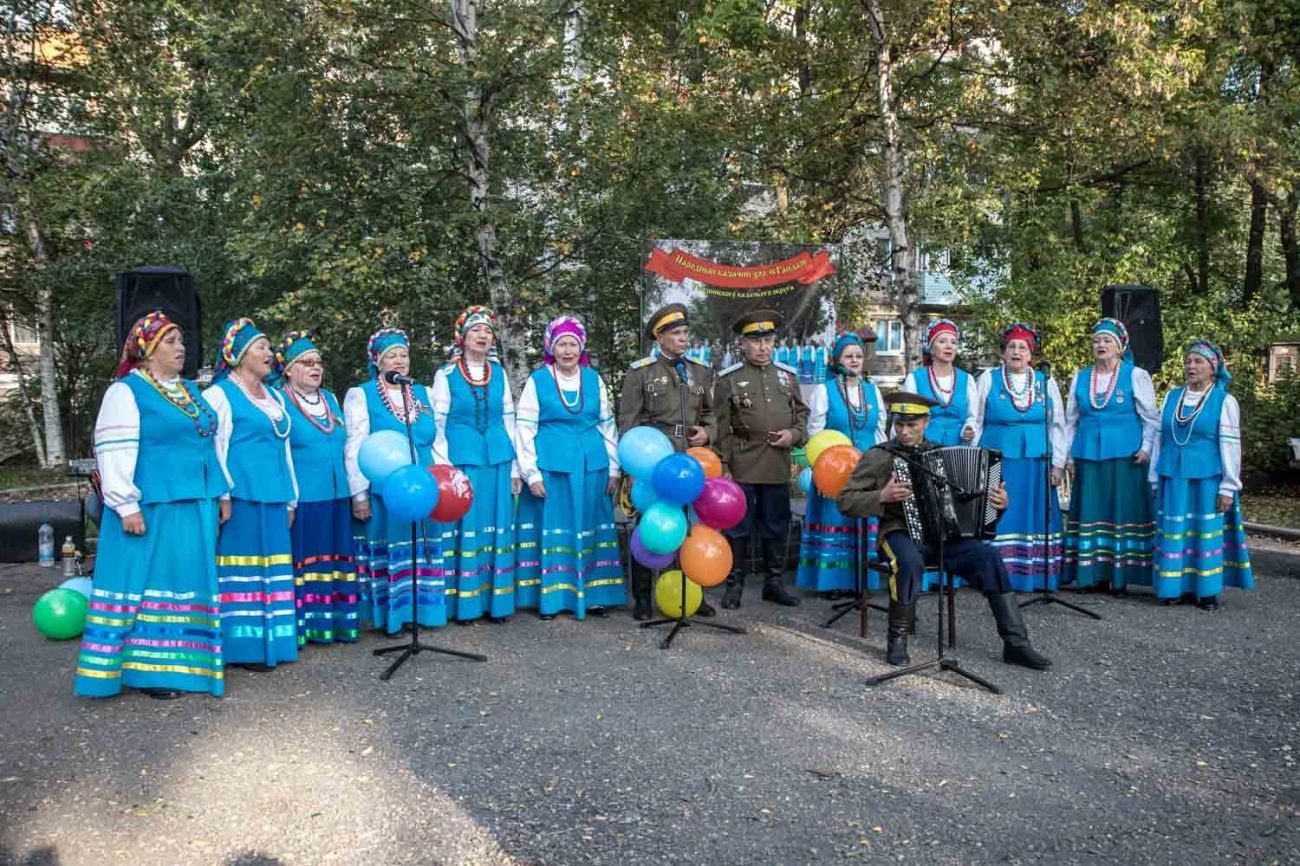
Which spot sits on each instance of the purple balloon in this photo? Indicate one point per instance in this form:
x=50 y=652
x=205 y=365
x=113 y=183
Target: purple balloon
x=645 y=557
x=721 y=504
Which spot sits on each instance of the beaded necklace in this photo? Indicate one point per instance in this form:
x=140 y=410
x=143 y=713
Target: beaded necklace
x=1092 y=389
x=478 y=388
x=179 y=396
x=261 y=405
x=399 y=412
x=576 y=407
x=1018 y=395
x=944 y=397
x=858 y=415
x=327 y=427
x=1187 y=421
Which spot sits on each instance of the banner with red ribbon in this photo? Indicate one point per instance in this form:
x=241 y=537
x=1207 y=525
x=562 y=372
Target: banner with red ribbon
x=677 y=265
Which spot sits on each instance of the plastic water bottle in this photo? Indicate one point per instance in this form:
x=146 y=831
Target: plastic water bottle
x=45 y=545
x=69 y=557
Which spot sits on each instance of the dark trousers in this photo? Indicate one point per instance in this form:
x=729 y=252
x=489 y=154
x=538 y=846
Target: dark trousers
x=767 y=512
x=973 y=561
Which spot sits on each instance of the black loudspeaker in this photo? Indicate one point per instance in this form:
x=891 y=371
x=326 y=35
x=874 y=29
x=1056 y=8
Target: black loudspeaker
x=170 y=290
x=1138 y=307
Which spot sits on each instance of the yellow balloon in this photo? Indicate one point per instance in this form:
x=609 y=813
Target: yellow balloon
x=823 y=440
x=668 y=594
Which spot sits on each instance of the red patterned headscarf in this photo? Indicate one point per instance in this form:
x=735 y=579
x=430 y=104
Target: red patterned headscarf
x=142 y=339
x=475 y=315
x=1021 y=331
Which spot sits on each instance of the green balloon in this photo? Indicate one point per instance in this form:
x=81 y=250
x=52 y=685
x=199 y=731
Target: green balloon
x=800 y=457
x=60 y=614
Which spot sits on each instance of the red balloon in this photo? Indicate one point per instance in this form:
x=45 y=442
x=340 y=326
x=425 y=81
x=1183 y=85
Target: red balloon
x=455 y=493
x=721 y=504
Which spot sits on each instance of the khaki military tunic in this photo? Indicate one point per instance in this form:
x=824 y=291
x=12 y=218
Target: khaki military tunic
x=752 y=403
x=861 y=495
x=654 y=394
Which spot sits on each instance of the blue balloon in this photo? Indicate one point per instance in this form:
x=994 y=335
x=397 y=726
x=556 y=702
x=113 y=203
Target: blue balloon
x=643 y=494
x=806 y=481
x=640 y=450
x=662 y=528
x=82 y=585
x=678 y=478
x=382 y=453
x=410 y=493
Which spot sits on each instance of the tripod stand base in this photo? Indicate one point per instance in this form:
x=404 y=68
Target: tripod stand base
x=415 y=648
x=844 y=608
x=943 y=663
x=1053 y=598
x=680 y=623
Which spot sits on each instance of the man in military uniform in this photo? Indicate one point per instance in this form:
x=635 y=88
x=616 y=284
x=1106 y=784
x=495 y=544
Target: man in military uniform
x=874 y=491
x=674 y=394
x=761 y=416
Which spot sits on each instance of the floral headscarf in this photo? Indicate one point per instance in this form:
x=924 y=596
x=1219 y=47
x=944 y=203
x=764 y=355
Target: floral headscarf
x=564 y=326
x=381 y=342
x=934 y=329
x=142 y=339
x=236 y=337
x=1021 y=331
x=1210 y=351
x=1116 y=330
x=842 y=341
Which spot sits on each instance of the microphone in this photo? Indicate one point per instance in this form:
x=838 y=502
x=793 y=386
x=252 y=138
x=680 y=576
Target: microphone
x=393 y=377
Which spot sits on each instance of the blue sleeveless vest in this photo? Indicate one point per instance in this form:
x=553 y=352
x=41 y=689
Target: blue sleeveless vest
x=569 y=440
x=318 y=456
x=840 y=416
x=174 y=463
x=1199 y=458
x=476 y=431
x=422 y=430
x=1112 y=432
x=1018 y=435
x=256 y=459
x=945 y=421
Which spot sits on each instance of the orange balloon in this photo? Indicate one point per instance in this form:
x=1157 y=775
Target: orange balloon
x=706 y=556
x=711 y=462
x=833 y=468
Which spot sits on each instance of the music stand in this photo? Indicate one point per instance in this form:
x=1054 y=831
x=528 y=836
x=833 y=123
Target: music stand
x=415 y=646
x=1046 y=595
x=682 y=621
x=940 y=661
x=860 y=602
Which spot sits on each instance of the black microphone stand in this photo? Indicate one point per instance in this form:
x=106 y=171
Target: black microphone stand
x=940 y=661
x=1047 y=595
x=415 y=646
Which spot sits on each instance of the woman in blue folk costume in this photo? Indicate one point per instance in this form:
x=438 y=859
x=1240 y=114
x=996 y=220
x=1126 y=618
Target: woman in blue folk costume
x=940 y=379
x=474 y=413
x=1196 y=472
x=254 y=559
x=1007 y=411
x=324 y=570
x=1111 y=424
x=567 y=441
x=383 y=544
x=832 y=541
x=154 y=619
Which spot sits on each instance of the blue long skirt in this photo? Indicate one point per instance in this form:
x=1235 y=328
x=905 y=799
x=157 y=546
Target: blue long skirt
x=1198 y=550
x=1110 y=531
x=568 y=555
x=324 y=572
x=1022 y=537
x=478 y=551
x=831 y=545
x=154 y=618
x=255 y=572
x=384 y=569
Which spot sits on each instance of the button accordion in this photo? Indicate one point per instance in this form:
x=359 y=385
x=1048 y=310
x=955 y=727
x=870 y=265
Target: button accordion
x=933 y=512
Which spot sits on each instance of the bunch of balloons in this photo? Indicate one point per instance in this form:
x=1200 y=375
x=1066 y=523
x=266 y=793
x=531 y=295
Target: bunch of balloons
x=411 y=492
x=833 y=459
x=684 y=503
x=60 y=614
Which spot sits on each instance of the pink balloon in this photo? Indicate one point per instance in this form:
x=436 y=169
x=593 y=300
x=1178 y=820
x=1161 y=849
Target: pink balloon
x=721 y=504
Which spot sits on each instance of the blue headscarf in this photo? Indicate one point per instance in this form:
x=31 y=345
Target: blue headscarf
x=294 y=345
x=236 y=337
x=1115 y=329
x=1210 y=351
x=842 y=342
x=380 y=342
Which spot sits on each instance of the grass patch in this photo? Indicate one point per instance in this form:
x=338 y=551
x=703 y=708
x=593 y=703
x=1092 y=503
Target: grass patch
x=30 y=476
x=1273 y=506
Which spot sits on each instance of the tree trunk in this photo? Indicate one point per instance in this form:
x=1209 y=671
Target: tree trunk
x=1201 y=179
x=54 y=455
x=902 y=263
x=478 y=115
x=1076 y=226
x=16 y=362
x=1255 y=243
x=1290 y=249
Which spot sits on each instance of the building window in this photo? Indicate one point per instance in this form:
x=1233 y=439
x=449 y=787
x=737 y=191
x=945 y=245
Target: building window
x=889 y=337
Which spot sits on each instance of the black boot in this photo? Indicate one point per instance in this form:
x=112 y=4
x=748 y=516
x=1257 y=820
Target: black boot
x=900 y=616
x=1016 y=649
x=911 y=618
x=774 y=584
x=735 y=580
x=641 y=579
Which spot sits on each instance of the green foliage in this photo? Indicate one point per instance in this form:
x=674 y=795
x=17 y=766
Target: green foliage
x=1270 y=415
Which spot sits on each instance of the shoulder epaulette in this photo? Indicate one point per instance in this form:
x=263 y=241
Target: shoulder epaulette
x=785 y=367
x=733 y=368
x=699 y=362
x=636 y=365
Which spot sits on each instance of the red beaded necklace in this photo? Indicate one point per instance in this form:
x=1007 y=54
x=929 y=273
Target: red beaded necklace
x=297 y=399
x=944 y=397
x=397 y=411
x=477 y=383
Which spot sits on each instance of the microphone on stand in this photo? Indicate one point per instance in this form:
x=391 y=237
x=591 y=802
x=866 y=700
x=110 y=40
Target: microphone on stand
x=393 y=377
